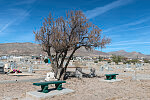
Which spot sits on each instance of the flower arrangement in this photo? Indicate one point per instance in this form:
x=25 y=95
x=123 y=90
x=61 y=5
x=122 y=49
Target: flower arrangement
x=15 y=71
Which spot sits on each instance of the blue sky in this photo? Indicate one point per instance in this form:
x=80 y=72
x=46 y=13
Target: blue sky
x=126 y=22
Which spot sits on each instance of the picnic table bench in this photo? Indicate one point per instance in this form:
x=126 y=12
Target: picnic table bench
x=44 y=85
x=110 y=76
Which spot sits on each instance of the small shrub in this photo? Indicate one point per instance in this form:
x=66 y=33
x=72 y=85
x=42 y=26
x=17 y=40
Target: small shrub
x=95 y=61
x=100 y=58
x=135 y=61
x=127 y=62
x=124 y=62
x=116 y=59
x=146 y=61
x=109 y=61
x=46 y=60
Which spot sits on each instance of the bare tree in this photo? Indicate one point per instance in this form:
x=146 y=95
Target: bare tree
x=68 y=34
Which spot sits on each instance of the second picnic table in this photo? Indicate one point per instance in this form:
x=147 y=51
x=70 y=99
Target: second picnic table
x=110 y=76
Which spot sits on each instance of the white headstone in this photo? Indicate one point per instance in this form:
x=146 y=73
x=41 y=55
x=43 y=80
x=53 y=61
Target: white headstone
x=101 y=68
x=6 y=66
x=50 y=76
x=30 y=69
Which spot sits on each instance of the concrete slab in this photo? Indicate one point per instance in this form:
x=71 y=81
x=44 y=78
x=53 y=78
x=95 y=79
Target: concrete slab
x=35 y=95
x=112 y=80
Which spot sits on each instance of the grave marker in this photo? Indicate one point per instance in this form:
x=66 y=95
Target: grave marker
x=1 y=67
x=13 y=65
x=30 y=69
x=101 y=68
x=128 y=66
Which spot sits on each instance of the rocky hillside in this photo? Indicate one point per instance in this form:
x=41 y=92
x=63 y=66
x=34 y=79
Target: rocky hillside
x=35 y=49
x=129 y=54
x=84 y=52
x=20 y=49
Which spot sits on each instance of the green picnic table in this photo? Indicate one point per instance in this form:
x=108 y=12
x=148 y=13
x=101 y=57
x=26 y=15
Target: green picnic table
x=44 y=85
x=110 y=76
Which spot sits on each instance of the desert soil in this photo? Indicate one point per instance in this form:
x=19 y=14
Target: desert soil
x=85 y=88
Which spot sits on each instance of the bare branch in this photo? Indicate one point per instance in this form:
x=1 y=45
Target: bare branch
x=68 y=33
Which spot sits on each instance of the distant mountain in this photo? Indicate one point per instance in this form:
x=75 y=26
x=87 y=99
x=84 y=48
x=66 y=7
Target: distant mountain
x=83 y=52
x=20 y=49
x=35 y=49
x=133 y=54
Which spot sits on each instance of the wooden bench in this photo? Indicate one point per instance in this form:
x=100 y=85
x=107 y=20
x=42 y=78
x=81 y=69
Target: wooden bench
x=44 y=85
x=110 y=76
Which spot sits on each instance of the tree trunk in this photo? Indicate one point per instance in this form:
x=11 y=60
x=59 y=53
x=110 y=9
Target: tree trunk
x=62 y=75
x=65 y=68
x=59 y=70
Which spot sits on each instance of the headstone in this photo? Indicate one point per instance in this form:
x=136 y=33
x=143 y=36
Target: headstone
x=129 y=69
x=24 y=67
x=84 y=64
x=13 y=65
x=101 y=68
x=30 y=69
x=6 y=66
x=106 y=66
x=50 y=76
x=136 y=65
x=134 y=77
x=1 y=67
x=92 y=72
x=128 y=66
x=110 y=69
x=78 y=73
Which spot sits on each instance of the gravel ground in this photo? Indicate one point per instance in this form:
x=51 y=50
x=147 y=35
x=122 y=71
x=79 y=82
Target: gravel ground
x=93 y=89
x=85 y=88
x=37 y=74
